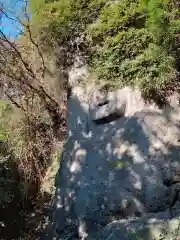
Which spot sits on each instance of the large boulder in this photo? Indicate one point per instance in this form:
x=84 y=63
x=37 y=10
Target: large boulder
x=123 y=169
x=113 y=105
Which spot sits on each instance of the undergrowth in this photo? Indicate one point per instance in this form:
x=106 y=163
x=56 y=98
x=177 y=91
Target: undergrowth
x=29 y=160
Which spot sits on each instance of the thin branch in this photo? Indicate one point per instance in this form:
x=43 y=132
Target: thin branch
x=19 y=79
x=5 y=39
x=32 y=40
x=7 y=16
x=14 y=102
x=39 y=91
x=27 y=26
x=17 y=20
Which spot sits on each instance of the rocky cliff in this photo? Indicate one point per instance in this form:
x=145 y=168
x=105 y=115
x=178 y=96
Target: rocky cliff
x=120 y=169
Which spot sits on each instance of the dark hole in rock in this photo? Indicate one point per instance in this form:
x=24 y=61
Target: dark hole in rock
x=103 y=103
x=138 y=214
x=170 y=182
x=110 y=118
x=73 y=232
x=69 y=92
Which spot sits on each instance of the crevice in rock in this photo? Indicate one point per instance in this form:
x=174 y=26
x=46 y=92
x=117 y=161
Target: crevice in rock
x=69 y=92
x=112 y=117
x=103 y=103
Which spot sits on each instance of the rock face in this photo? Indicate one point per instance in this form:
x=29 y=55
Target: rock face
x=119 y=102
x=117 y=170
x=151 y=227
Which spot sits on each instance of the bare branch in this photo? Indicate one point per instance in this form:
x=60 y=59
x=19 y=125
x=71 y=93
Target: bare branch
x=32 y=40
x=7 y=16
x=27 y=27
x=13 y=19
x=20 y=76
x=27 y=67
x=14 y=102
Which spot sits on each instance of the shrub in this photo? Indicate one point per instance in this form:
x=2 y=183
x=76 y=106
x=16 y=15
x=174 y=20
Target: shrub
x=129 y=42
x=9 y=176
x=136 y=44
x=116 y=17
x=108 y=61
x=65 y=19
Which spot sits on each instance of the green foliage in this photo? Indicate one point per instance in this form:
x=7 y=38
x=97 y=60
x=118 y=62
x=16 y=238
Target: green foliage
x=115 y=17
x=161 y=21
x=131 y=59
x=136 y=44
x=48 y=185
x=64 y=19
x=117 y=54
x=131 y=42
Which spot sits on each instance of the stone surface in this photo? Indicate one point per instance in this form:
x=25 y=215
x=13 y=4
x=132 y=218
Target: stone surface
x=77 y=74
x=120 y=103
x=146 y=228
x=117 y=170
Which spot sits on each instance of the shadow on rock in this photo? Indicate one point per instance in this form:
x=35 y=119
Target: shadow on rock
x=116 y=171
